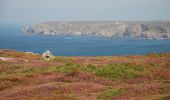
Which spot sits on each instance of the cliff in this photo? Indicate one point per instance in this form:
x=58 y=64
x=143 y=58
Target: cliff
x=141 y=29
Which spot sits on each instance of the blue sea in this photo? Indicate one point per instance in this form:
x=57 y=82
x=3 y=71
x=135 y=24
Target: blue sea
x=11 y=37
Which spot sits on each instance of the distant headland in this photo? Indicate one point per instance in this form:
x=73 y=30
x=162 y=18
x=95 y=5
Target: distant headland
x=138 y=29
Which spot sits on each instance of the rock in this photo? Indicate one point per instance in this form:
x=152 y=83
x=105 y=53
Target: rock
x=27 y=29
x=29 y=52
x=139 y=29
x=47 y=55
x=26 y=60
x=165 y=36
x=5 y=58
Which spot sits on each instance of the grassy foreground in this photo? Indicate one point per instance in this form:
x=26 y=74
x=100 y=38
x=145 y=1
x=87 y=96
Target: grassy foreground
x=28 y=77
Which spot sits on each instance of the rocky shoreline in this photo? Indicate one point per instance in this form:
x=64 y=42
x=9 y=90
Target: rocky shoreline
x=137 y=29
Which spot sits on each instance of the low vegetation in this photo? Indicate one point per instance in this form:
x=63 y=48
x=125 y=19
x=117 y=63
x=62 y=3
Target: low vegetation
x=28 y=76
x=109 y=93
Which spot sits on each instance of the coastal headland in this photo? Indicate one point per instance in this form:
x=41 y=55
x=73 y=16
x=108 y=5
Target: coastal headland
x=138 y=29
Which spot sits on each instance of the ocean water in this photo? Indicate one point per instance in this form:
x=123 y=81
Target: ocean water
x=11 y=37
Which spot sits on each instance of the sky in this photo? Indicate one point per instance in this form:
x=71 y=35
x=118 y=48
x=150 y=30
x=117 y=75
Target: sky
x=36 y=11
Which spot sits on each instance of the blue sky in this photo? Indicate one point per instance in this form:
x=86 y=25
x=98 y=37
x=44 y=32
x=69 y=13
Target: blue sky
x=35 y=11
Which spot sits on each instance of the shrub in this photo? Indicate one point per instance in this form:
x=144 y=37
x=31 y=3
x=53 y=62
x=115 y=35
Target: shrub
x=118 y=71
x=68 y=68
x=107 y=94
x=30 y=70
x=89 y=68
x=62 y=59
x=114 y=71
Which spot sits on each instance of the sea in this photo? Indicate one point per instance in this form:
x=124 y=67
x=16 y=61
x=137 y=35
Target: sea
x=11 y=37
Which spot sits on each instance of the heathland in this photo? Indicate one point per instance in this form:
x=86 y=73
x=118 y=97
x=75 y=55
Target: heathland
x=25 y=75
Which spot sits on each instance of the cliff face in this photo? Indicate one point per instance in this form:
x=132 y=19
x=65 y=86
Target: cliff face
x=144 y=29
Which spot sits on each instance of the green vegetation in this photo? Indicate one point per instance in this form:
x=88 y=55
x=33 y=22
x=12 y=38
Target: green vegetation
x=107 y=94
x=110 y=71
x=68 y=68
x=10 y=53
x=115 y=71
x=62 y=59
x=89 y=68
x=76 y=78
x=158 y=54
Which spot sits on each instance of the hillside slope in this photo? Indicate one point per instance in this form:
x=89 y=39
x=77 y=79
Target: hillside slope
x=28 y=76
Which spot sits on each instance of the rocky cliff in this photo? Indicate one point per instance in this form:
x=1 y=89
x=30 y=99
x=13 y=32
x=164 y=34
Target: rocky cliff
x=141 y=29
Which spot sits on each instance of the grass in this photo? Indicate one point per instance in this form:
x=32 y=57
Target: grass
x=9 y=82
x=85 y=77
x=115 y=71
x=158 y=54
x=13 y=54
x=62 y=60
x=109 y=93
x=89 y=68
x=110 y=71
x=68 y=68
